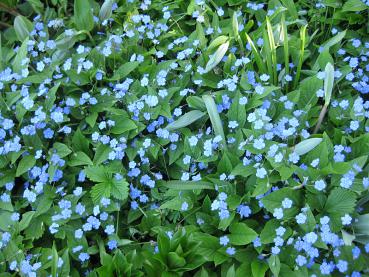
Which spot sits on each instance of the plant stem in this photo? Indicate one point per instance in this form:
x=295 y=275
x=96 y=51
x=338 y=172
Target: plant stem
x=321 y=117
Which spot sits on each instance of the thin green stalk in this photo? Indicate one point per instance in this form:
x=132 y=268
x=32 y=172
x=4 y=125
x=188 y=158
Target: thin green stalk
x=268 y=55
x=272 y=47
x=256 y=53
x=285 y=47
x=301 y=58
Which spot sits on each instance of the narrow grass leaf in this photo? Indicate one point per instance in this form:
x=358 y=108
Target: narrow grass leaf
x=185 y=120
x=301 y=56
x=255 y=52
x=187 y=185
x=272 y=50
x=307 y=145
x=217 y=57
x=214 y=117
x=328 y=83
x=290 y=5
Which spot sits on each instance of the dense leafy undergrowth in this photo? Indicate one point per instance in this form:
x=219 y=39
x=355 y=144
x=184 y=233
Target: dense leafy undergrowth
x=184 y=138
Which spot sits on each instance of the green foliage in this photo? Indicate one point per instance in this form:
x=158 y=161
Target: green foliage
x=184 y=138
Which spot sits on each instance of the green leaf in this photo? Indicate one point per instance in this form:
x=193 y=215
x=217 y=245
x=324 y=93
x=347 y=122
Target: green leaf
x=237 y=111
x=258 y=268
x=185 y=120
x=328 y=83
x=106 y=10
x=61 y=149
x=241 y=234
x=214 y=117
x=340 y=201
x=119 y=189
x=80 y=158
x=25 y=164
x=256 y=54
x=307 y=145
x=216 y=42
x=231 y=272
x=124 y=70
x=274 y=200
x=187 y=185
x=97 y=174
x=217 y=57
x=174 y=260
x=361 y=226
x=101 y=154
x=99 y=191
x=54 y=261
x=291 y=7
x=83 y=17
x=26 y=220
x=333 y=41
x=122 y=126
x=354 y=6
x=19 y=58
x=274 y=265
x=22 y=27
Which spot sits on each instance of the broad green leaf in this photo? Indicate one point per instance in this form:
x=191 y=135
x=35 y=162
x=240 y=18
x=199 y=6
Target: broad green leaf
x=217 y=41
x=333 y=41
x=122 y=126
x=99 y=191
x=231 y=272
x=61 y=149
x=307 y=145
x=258 y=268
x=101 y=154
x=214 y=117
x=119 y=189
x=22 y=27
x=354 y=6
x=274 y=200
x=185 y=120
x=83 y=17
x=328 y=83
x=217 y=57
x=274 y=265
x=26 y=220
x=106 y=10
x=97 y=174
x=241 y=234
x=20 y=58
x=340 y=201
x=25 y=164
x=124 y=70
x=80 y=158
x=361 y=226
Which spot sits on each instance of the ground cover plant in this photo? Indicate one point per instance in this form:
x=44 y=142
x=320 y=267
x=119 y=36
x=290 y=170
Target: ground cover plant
x=184 y=138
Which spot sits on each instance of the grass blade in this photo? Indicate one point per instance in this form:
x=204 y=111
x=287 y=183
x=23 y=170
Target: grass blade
x=328 y=88
x=290 y=5
x=185 y=120
x=257 y=56
x=217 y=57
x=285 y=47
x=187 y=185
x=214 y=117
x=301 y=57
x=307 y=145
x=328 y=83
x=273 y=51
